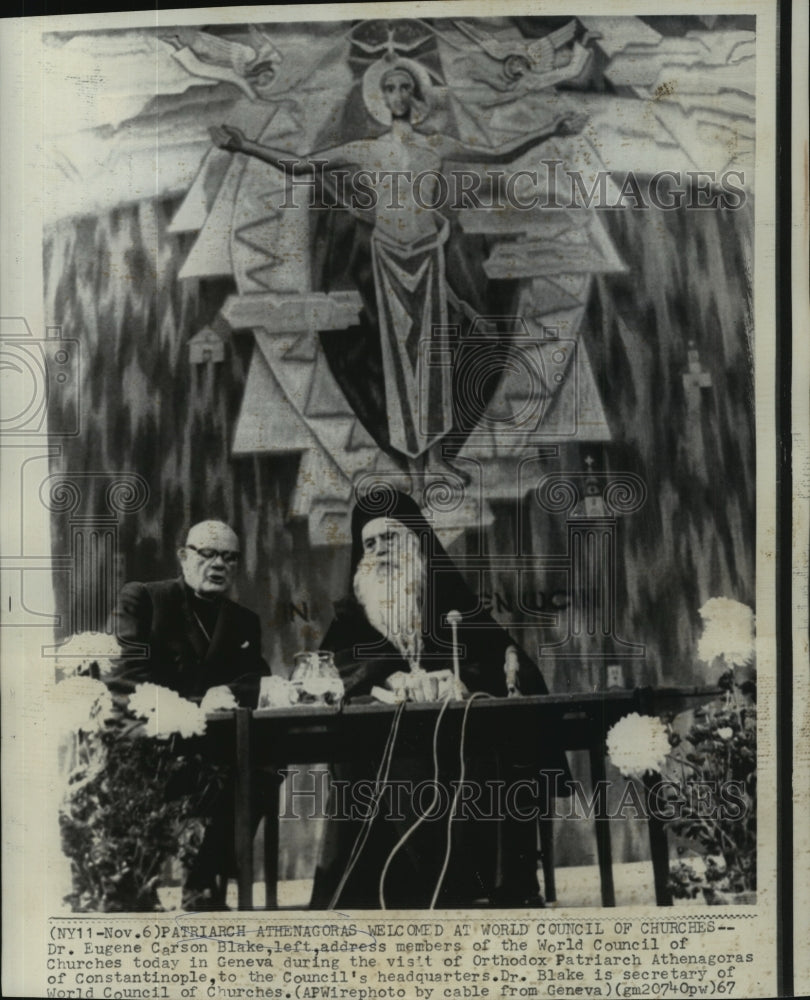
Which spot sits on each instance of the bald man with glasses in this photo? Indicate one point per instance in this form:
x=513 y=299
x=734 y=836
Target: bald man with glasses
x=195 y=639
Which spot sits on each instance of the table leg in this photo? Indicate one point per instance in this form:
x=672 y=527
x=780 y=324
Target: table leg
x=243 y=831
x=271 y=814
x=659 y=849
x=603 y=850
x=545 y=823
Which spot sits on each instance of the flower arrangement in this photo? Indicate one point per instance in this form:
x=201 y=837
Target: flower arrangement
x=728 y=633
x=87 y=654
x=165 y=712
x=638 y=745
x=135 y=783
x=706 y=760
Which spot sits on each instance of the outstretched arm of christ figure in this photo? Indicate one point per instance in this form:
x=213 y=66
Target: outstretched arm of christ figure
x=570 y=123
x=234 y=140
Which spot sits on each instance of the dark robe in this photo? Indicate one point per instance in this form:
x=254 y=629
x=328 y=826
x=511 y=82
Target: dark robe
x=192 y=645
x=165 y=617
x=491 y=862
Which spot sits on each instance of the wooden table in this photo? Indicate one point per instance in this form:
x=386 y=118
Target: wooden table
x=521 y=729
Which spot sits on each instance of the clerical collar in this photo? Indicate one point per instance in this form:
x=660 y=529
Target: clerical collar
x=210 y=602
x=205 y=610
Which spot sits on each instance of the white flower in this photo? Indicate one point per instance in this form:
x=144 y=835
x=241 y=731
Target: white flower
x=696 y=866
x=143 y=700
x=166 y=713
x=637 y=744
x=728 y=632
x=725 y=733
x=699 y=864
x=85 y=648
x=80 y=704
x=218 y=699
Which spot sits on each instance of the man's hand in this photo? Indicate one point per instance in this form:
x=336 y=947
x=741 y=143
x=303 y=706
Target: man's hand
x=218 y=699
x=434 y=685
x=228 y=137
x=571 y=123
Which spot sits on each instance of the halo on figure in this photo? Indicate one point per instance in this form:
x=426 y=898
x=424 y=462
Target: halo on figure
x=372 y=88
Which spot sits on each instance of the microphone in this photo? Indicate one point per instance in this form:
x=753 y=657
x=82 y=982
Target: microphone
x=511 y=666
x=454 y=620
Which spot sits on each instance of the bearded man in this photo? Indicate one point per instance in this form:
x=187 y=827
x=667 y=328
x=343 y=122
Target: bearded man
x=393 y=632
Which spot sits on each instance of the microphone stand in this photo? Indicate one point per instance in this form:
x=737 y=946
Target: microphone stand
x=454 y=620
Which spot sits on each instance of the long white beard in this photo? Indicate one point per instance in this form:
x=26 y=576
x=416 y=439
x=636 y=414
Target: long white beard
x=391 y=596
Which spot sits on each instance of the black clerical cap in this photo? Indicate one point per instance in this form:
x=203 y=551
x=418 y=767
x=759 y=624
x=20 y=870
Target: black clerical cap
x=383 y=500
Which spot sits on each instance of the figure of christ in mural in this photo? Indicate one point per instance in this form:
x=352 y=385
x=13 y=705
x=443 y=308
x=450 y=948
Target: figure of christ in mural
x=409 y=291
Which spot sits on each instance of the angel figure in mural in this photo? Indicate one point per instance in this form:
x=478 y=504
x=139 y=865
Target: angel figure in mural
x=252 y=67
x=397 y=185
x=529 y=65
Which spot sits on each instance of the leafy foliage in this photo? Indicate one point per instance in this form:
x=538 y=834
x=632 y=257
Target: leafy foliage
x=720 y=748
x=131 y=804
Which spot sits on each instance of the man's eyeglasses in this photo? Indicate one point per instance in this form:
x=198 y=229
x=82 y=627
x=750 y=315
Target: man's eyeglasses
x=231 y=558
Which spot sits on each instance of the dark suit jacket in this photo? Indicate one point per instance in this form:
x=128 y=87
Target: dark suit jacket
x=159 y=615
